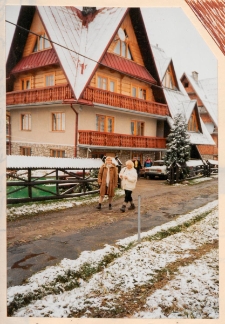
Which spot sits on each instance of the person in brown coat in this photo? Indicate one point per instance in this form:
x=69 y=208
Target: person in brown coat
x=107 y=180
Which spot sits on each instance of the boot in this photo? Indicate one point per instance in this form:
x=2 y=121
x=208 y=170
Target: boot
x=123 y=208
x=99 y=206
x=132 y=206
x=110 y=207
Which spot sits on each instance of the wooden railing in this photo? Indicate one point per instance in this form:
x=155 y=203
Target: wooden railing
x=118 y=100
x=53 y=93
x=112 y=139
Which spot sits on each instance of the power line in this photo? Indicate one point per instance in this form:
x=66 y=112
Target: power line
x=88 y=58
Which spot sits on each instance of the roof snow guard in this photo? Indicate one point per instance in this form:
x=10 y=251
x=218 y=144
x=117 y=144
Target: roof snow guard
x=211 y=13
x=39 y=162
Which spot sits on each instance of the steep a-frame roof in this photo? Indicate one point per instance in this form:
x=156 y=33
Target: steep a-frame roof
x=81 y=42
x=209 y=99
x=179 y=102
x=163 y=62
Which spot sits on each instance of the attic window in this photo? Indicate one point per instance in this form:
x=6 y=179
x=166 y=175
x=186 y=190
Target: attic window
x=122 y=45
x=193 y=124
x=41 y=43
x=186 y=84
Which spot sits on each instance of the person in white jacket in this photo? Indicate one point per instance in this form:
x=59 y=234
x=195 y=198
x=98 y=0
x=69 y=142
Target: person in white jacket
x=128 y=176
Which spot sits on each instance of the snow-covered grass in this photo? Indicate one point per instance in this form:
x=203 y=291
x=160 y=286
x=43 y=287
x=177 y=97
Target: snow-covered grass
x=30 y=209
x=172 y=273
x=15 y=212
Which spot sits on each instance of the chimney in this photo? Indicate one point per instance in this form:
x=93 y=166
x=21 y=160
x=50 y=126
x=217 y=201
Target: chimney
x=87 y=10
x=195 y=75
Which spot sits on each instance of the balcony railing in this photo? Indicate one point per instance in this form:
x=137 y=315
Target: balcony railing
x=112 y=139
x=118 y=100
x=53 y=93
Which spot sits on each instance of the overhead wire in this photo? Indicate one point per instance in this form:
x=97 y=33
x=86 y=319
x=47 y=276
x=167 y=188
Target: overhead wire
x=84 y=56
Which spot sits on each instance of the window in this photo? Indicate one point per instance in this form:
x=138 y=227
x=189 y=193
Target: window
x=193 y=124
x=26 y=122
x=25 y=84
x=106 y=83
x=49 y=80
x=138 y=92
x=169 y=81
x=42 y=43
x=57 y=153
x=104 y=123
x=137 y=128
x=58 y=121
x=122 y=46
x=25 y=150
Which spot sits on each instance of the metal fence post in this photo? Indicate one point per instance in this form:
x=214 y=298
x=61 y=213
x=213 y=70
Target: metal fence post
x=139 y=219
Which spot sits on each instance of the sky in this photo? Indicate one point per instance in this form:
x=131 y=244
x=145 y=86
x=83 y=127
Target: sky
x=171 y=30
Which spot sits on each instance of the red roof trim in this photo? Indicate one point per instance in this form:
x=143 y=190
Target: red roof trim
x=36 y=60
x=128 y=67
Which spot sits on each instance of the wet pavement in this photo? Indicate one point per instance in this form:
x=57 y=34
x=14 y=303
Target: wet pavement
x=27 y=259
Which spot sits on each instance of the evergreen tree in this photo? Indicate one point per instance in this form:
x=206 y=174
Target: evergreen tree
x=178 y=143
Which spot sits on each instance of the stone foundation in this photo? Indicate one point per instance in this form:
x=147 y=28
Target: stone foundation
x=41 y=149
x=44 y=150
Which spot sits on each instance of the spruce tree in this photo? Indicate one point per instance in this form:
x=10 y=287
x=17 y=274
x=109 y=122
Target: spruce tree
x=178 y=143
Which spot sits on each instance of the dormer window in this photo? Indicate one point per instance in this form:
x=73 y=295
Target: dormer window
x=122 y=44
x=42 y=43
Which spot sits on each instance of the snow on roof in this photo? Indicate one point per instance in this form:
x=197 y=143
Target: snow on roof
x=215 y=162
x=203 y=138
x=179 y=102
x=194 y=163
x=201 y=88
x=66 y=27
x=161 y=60
x=210 y=88
x=40 y=162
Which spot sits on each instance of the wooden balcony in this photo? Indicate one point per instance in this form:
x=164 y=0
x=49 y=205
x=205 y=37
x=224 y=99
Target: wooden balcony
x=53 y=93
x=120 y=140
x=118 y=100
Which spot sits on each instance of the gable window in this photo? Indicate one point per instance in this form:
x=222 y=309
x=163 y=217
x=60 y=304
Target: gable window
x=137 y=128
x=104 y=123
x=49 y=79
x=58 y=121
x=41 y=43
x=193 y=124
x=24 y=150
x=138 y=92
x=26 y=122
x=57 y=153
x=122 y=45
x=106 y=83
x=168 y=80
x=25 y=84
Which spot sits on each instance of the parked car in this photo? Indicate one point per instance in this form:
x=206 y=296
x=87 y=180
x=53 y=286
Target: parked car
x=158 y=169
